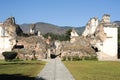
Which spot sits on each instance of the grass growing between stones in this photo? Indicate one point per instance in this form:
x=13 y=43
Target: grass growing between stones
x=94 y=70
x=20 y=70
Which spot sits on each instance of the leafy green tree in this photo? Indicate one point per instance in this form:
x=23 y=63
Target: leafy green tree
x=68 y=33
x=60 y=37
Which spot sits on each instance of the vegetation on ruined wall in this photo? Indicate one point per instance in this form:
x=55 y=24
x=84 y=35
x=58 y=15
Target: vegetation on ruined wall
x=60 y=37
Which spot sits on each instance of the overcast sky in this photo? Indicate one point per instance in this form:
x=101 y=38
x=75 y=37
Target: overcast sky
x=59 y=12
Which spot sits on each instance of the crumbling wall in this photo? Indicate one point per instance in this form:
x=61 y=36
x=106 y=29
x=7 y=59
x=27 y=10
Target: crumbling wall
x=7 y=35
x=81 y=47
x=104 y=39
x=34 y=48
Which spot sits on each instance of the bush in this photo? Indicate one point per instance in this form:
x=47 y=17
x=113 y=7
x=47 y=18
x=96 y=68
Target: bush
x=76 y=58
x=90 y=57
x=86 y=58
x=94 y=58
x=71 y=58
x=9 y=55
x=64 y=58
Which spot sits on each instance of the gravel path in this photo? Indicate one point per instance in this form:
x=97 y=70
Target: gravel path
x=55 y=70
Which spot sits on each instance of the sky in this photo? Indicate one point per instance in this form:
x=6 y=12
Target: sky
x=59 y=12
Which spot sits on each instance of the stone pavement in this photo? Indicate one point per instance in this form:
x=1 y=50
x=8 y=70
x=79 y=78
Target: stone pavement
x=54 y=70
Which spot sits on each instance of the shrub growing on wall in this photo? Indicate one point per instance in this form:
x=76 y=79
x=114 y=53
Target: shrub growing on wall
x=9 y=55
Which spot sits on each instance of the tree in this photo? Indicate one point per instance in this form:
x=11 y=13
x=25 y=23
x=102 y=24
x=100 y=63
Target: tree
x=60 y=37
x=68 y=34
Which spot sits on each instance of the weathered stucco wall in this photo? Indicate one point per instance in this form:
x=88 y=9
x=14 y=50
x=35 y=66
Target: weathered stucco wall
x=110 y=45
x=104 y=37
x=7 y=35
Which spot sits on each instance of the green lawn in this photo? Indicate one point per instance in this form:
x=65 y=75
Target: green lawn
x=20 y=70
x=94 y=70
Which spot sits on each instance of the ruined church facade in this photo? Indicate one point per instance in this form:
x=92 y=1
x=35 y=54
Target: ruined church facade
x=32 y=29
x=7 y=35
x=73 y=36
x=104 y=37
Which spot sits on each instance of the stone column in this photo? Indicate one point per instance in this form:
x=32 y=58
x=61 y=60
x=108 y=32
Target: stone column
x=48 y=53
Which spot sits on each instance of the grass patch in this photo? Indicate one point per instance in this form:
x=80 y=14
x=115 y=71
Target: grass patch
x=94 y=70
x=22 y=70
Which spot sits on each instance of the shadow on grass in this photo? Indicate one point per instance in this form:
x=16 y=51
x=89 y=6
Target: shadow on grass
x=18 y=77
x=15 y=77
x=40 y=78
x=24 y=63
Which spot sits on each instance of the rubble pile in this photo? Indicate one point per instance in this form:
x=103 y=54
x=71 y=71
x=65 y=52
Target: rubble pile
x=34 y=47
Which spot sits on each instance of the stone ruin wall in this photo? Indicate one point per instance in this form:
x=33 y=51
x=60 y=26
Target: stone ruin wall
x=77 y=46
x=99 y=38
x=34 y=47
x=7 y=35
x=91 y=40
x=103 y=38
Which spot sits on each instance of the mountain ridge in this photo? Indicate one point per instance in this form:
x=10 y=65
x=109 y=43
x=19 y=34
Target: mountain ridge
x=49 y=28
x=52 y=28
x=118 y=22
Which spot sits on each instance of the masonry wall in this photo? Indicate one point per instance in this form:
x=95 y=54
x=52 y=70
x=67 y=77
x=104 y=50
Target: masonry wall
x=7 y=35
x=110 y=45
